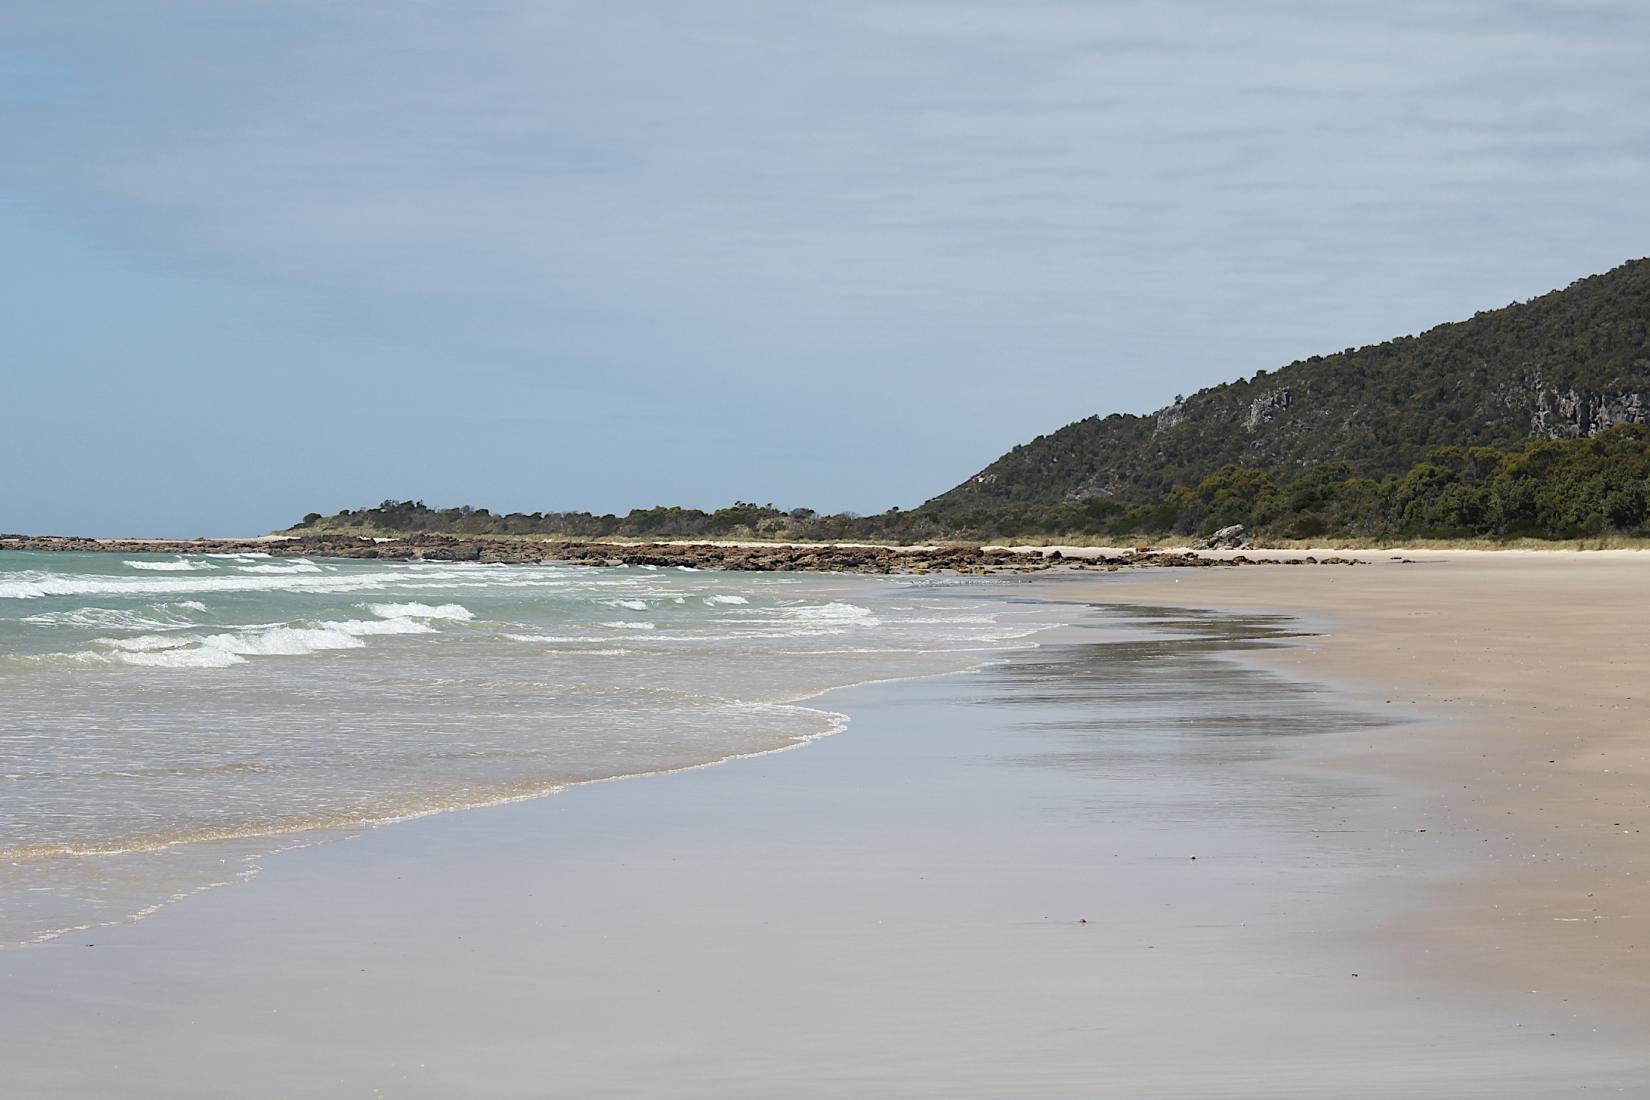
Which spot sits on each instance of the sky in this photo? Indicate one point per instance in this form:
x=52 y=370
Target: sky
x=263 y=259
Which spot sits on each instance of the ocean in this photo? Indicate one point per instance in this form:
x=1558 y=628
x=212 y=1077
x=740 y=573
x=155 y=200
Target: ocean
x=166 y=721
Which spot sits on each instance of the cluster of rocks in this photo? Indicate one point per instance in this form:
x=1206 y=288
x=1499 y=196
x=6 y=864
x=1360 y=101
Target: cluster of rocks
x=775 y=557
x=1235 y=537
x=807 y=558
x=1144 y=557
x=432 y=547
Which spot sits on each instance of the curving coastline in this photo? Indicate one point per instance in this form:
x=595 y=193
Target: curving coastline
x=1107 y=866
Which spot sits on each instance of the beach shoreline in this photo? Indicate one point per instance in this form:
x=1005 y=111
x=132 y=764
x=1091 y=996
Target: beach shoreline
x=985 y=886
x=1222 y=808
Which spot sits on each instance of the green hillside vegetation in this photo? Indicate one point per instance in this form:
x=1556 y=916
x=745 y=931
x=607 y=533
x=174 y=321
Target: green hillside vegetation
x=741 y=520
x=1523 y=422
x=1565 y=365
x=1550 y=489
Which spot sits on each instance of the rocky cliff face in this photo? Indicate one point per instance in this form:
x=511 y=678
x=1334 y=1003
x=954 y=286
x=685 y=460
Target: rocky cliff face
x=1266 y=408
x=1170 y=417
x=1568 y=414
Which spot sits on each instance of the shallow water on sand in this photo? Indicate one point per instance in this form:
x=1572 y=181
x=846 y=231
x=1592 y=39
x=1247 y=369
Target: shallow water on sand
x=983 y=889
x=170 y=718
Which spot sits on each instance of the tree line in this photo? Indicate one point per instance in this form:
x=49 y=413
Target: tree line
x=1549 y=489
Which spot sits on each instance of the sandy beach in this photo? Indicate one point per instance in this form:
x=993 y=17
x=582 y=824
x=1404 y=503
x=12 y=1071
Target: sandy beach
x=986 y=886
x=1536 y=762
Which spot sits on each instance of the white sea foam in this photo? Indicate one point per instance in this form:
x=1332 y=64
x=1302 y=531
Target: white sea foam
x=228 y=648
x=802 y=621
x=182 y=658
x=714 y=601
x=159 y=616
x=368 y=627
x=34 y=584
x=832 y=617
x=453 y=611
x=295 y=567
x=284 y=641
x=558 y=639
x=834 y=612
x=144 y=643
x=182 y=565
x=632 y=605
x=629 y=625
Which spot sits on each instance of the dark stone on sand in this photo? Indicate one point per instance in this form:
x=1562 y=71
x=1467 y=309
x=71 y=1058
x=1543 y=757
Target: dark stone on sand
x=964 y=559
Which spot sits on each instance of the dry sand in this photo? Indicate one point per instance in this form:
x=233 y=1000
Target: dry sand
x=1536 y=669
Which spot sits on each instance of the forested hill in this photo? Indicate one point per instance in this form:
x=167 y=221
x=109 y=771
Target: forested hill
x=1528 y=421
x=1566 y=365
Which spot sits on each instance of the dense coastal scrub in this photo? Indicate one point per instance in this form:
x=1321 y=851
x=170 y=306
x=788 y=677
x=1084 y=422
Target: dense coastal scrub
x=1549 y=489
x=1526 y=422
x=1565 y=365
x=1564 y=489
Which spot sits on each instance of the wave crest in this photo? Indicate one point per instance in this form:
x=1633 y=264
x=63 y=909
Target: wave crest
x=181 y=565
x=451 y=611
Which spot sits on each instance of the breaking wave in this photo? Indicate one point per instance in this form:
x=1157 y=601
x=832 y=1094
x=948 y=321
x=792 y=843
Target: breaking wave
x=298 y=566
x=156 y=616
x=453 y=611
x=233 y=647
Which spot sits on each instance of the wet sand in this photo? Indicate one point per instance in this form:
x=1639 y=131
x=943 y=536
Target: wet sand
x=985 y=887
x=1535 y=667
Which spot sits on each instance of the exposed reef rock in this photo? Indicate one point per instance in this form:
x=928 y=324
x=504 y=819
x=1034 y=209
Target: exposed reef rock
x=766 y=557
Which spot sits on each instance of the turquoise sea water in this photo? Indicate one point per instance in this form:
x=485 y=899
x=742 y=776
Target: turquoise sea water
x=168 y=719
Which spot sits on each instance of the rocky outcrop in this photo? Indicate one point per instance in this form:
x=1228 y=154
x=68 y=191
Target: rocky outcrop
x=1104 y=487
x=1567 y=414
x=1264 y=408
x=1235 y=537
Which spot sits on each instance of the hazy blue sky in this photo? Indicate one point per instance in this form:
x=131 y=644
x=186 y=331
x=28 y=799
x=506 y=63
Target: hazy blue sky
x=268 y=258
